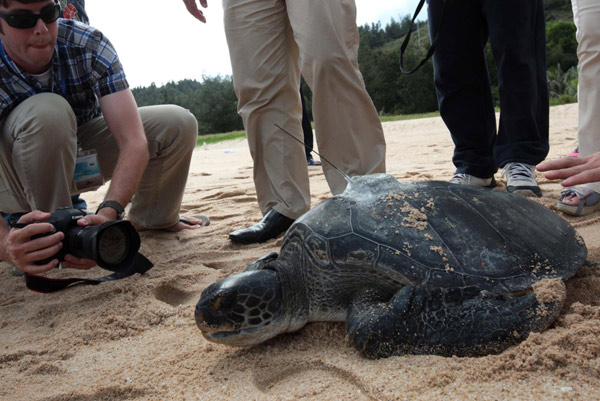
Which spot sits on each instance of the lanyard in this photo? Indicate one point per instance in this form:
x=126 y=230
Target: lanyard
x=407 y=38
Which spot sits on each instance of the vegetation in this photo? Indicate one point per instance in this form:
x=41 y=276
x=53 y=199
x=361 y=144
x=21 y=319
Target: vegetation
x=212 y=101
x=226 y=136
x=394 y=94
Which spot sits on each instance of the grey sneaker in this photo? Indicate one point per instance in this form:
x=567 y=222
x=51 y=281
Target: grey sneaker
x=520 y=179
x=468 y=179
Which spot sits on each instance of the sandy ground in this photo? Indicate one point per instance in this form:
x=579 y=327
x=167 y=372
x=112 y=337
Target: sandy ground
x=136 y=339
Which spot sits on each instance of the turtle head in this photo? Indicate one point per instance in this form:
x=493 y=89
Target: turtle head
x=243 y=309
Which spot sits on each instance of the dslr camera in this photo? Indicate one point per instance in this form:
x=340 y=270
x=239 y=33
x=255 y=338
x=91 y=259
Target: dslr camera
x=112 y=245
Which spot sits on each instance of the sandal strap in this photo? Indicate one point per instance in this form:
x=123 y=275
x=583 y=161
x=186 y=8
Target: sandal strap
x=585 y=195
x=579 y=192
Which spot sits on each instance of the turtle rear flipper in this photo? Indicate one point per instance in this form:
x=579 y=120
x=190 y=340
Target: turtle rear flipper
x=418 y=320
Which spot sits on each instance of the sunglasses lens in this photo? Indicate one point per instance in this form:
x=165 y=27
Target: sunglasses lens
x=22 y=21
x=48 y=14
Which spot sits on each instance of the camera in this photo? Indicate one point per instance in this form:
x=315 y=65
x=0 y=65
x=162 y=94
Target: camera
x=112 y=245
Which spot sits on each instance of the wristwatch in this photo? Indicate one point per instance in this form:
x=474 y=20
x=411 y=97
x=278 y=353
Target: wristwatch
x=113 y=205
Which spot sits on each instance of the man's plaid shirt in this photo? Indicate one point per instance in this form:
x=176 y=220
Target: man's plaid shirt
x=85 y=67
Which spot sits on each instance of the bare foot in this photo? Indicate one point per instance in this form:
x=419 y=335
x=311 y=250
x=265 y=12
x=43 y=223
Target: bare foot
x=184 y=223
x=191 y=223
x=570 y=200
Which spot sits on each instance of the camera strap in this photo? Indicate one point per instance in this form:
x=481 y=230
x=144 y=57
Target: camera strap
x=407 y=39
x=34 y=282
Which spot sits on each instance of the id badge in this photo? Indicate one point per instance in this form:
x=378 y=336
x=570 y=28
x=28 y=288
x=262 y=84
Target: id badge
x=87 y=172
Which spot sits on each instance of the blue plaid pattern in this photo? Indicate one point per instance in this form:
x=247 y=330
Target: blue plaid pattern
x=85 y=68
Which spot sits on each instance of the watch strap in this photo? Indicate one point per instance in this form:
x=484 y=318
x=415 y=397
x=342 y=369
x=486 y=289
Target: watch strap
x=113 y=205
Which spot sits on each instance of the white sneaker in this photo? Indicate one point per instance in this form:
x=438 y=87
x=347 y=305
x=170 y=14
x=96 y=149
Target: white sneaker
x=468 y=179
x=520 y=179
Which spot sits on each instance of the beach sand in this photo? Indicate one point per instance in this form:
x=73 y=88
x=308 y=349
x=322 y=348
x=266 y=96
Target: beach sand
x=136 y=339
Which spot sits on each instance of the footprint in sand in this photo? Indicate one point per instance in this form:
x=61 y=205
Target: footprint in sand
x=48 y=369
x=105 y=393
x=225 y=194
x=170 y=294
x=245 y=199
x=322 y=378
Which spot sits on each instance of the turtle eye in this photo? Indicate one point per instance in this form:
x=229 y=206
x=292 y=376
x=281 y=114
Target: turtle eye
x=223 y=302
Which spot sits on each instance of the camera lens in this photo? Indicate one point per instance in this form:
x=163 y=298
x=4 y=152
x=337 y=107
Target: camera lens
x=113 y=245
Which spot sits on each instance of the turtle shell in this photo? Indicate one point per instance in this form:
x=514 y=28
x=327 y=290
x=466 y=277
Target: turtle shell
x=439 y=234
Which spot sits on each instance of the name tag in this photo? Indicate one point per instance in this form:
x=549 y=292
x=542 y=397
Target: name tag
x=87 y=172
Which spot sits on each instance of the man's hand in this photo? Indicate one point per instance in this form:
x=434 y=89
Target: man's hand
x=573 y=170
x=22 y=251
x=194 y=10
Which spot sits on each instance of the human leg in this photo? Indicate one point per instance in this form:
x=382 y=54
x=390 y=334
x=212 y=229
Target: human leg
x=517 y=38
x=171 y=132
x=264 y=60
x=462 y=83
x=585 y=199
x=37 y=155
x=347 y=126
x=586 y=16
x=306 y=127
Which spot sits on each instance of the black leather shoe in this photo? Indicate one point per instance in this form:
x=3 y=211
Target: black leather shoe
x=271 y=225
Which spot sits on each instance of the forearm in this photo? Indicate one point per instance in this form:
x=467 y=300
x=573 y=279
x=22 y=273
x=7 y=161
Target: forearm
x=123 y=119
x=132 y=161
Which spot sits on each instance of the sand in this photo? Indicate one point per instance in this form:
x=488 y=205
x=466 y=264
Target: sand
x=136 y=339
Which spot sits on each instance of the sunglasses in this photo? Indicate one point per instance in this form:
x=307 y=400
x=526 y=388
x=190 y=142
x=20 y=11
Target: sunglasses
x=21 y=20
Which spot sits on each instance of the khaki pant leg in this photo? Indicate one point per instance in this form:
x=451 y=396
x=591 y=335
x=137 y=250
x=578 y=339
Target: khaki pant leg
x=347 y=125
x=586 y=15
x=37 y=155
x=264 y=59
x=171 y=132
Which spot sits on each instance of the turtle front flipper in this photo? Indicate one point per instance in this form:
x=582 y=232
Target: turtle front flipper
x=457 y=321
x=260 y=264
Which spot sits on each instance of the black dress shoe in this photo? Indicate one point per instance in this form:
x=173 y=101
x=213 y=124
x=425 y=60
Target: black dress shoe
x=271 y=225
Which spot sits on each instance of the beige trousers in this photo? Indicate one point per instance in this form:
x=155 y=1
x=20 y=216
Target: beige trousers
x=271 y=42
x=586 y=14
x=39 y=147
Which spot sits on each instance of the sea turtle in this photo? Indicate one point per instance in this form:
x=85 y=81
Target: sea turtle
x=428 y=267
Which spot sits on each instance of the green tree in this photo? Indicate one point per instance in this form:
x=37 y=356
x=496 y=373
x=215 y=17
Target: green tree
x=393 y=92
x=212 y=101
x=216 y=106
x=562 y=86
x=561 y=44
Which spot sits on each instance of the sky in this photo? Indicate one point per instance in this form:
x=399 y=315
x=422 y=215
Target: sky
x=159 y=41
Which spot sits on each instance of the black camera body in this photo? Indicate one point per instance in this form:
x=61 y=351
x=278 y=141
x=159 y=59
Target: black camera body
x=112 y=245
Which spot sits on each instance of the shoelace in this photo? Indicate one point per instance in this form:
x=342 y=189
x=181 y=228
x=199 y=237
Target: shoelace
x=459 y=178
x=518 y=170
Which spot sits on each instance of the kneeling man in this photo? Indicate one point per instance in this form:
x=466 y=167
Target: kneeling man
x=68 y=121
